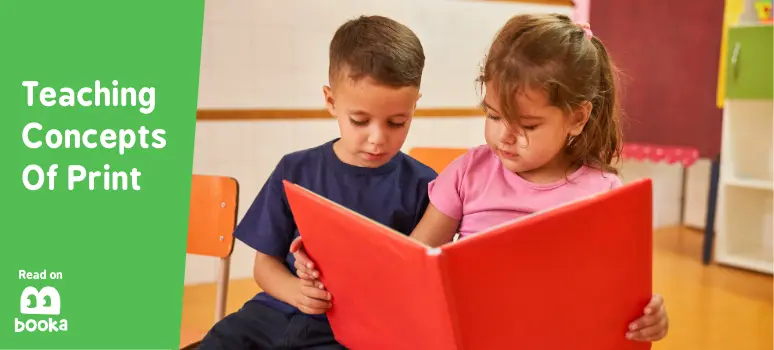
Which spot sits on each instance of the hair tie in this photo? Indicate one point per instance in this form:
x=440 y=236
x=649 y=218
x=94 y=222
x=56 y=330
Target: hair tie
x=587 y=29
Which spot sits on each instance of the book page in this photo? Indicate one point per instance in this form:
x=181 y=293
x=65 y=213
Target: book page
x=569 y=278
x=386 y=287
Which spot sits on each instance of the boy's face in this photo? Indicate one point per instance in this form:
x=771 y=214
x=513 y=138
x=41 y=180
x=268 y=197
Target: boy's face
x=374 y=119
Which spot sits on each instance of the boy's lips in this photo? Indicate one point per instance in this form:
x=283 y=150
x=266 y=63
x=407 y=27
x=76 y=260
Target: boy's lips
x=373 y=156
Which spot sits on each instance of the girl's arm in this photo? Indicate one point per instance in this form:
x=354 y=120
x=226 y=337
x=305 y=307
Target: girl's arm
x=435 y=228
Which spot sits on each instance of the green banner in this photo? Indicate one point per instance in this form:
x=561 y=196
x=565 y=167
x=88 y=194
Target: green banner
x=97 y=103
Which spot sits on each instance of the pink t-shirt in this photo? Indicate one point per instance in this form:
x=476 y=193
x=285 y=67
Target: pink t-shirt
x=477 y=190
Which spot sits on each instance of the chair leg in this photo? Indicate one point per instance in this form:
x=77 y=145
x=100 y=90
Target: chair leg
x=222 y=292
x=709 y=226
x=683 y=190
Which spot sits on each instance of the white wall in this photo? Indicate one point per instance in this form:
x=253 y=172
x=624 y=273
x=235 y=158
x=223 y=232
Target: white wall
x=271 y=54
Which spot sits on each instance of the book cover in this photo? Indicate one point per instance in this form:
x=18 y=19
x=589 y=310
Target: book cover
x=572 y=277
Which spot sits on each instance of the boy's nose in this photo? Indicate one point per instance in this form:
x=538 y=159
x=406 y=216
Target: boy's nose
x=376 y=136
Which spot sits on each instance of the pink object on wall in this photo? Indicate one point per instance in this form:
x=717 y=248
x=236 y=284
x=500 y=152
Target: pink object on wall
x=660 y=153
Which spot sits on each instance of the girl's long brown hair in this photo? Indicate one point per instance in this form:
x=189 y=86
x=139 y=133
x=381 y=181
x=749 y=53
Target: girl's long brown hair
x=552 y=53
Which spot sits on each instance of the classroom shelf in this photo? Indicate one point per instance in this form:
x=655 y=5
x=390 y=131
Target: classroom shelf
x=746 y=178
x=746 y=217
x=748 y=141
x=746 y=181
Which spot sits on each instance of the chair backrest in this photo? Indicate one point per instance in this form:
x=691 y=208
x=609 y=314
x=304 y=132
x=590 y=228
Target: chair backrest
x=212 y=216
x=211 y=221
x=437 y=158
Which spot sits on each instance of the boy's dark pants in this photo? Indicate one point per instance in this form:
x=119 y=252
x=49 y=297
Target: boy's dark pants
x=257 y=326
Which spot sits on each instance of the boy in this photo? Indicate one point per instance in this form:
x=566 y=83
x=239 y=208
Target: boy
x=375 y=73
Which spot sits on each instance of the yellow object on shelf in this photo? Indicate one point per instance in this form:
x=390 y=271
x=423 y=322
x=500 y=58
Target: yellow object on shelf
x=763 y=8
x=733 y=10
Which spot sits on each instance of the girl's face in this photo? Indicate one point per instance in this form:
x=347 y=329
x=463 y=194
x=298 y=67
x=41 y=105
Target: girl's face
x=536 y=142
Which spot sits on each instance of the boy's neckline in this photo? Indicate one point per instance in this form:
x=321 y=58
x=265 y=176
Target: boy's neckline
x=340 y=165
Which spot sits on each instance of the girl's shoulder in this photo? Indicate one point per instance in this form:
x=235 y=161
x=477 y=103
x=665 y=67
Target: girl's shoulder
x=599 y=179
x=473 y=158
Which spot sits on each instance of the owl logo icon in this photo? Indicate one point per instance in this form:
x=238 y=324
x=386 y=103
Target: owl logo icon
x=43 y=302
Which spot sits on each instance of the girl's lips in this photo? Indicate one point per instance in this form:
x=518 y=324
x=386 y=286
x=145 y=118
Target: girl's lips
x=507 y=154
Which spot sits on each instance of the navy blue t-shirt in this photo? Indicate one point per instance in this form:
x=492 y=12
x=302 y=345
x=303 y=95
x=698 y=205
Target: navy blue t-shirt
x=394 y=195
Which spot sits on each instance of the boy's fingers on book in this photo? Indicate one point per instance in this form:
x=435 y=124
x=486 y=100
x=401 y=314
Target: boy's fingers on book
x=302 y=262
x=302 y=258
x=315 y=304
x=311 y=311
x=300 y=268
x=307 y=283
x=296 y=245
x=314 y=292
x=304 y=276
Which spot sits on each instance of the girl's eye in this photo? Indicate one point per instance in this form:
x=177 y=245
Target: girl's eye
x=358 y=122
x=493 y=117
x=529 y=127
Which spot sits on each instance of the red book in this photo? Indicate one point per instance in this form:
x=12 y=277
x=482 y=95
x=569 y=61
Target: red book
x=573 y=277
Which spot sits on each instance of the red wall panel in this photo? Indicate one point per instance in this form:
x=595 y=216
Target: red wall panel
x=668 y=52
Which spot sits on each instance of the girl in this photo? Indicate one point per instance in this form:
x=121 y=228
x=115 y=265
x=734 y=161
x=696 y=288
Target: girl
x=552 y=131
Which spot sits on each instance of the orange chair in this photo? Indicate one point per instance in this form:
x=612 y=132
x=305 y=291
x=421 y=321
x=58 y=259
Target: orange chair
x=436 y=158
x=211 y=222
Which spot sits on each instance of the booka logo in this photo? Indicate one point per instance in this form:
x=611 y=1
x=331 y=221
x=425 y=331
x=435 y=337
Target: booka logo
x=40 y=303
x=43 y=302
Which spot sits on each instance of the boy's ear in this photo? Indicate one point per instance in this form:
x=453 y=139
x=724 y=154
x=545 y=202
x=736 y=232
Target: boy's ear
x=580 y=116
x=329 y=100
x=419 y=96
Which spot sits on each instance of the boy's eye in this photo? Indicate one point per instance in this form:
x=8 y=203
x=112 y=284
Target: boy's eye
x=396 y=125
x=358 y=122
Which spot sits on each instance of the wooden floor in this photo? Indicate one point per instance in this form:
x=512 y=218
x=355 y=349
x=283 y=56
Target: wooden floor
x=711 y=308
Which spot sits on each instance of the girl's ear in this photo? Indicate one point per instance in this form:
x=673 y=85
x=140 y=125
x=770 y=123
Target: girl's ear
x=580 y=116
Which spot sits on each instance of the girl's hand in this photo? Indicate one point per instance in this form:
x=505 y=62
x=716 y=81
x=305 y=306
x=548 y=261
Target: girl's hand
x=653 y=325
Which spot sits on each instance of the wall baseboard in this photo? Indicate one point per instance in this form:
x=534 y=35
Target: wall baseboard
x=280 y=114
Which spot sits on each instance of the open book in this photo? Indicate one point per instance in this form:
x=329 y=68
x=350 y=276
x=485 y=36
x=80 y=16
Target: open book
x=570 y=278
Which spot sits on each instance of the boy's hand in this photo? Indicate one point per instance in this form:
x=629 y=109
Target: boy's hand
x=304 y=265
x=652 y=326
x=312 y=298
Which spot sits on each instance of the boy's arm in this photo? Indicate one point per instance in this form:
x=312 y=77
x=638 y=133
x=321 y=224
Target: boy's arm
x=268 y=227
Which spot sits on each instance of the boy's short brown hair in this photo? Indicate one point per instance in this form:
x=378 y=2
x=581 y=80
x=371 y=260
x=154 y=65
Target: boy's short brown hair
x=379 y=48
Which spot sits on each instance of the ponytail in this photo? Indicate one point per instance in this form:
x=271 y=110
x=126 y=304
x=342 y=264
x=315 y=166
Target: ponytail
x=606 y=104
x=600 y=143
